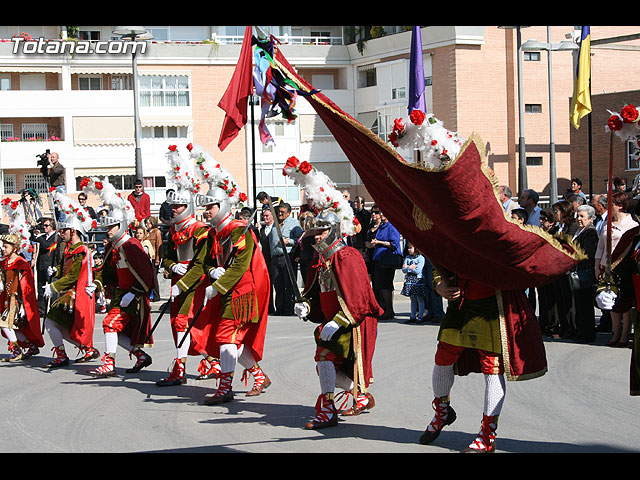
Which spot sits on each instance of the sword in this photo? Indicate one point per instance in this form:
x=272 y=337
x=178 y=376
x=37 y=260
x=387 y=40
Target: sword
x=287 y=260
x=162 y=312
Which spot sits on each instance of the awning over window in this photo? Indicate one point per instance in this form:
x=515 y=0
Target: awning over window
x=166 y=120
x=103 y=172
x=93 y=70
x=103 y=131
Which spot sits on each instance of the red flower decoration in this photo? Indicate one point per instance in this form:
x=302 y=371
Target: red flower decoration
x=398 y=125
x=85 y=181
x=94 y=224
x=190 y=147
x=14 y=204
x=305 y=167
x=6 y=201
x=417 y=117
x=52 y=189
x=393 y=139
x=629 y=114
x=615 y=122
x=242 y=196
x=99 y=185
x=291 y=162
x=173 y=148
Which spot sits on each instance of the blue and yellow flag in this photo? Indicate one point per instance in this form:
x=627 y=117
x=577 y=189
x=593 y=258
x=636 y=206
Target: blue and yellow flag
x=581 y=101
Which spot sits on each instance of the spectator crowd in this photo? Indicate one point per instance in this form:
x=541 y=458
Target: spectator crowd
x=565 y=308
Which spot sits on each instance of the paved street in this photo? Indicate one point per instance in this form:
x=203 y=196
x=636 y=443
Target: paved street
x=581 y=405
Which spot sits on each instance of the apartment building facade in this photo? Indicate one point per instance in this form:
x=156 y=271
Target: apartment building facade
x=81 y=105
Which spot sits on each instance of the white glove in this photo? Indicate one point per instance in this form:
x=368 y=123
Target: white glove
x=1 y=287
x=217 y=273
x=175 y=291
x=605 y=300
x=301 y=309
x=328 y=330
x=47 y=290
x=209 y=293
x=180 y=268
x=51 y=270
x=126 y=299
x=90 y=288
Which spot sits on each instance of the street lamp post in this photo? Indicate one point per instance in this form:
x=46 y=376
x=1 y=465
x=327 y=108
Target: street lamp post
x=533 y=46
x=134 y=32
x=522 y=155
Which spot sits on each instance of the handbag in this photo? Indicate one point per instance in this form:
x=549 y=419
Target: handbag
x=580 y=279
x=391 y=260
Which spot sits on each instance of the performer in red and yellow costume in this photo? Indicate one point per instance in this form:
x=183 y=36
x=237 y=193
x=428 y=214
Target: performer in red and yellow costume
x=71 y=316
x=128 y=268
x=239 y=284
x=183 y=261
x=338 y=296
x=20 y=318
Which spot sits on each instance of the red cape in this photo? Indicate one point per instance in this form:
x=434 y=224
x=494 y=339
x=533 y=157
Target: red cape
x=353 y=281
x=85 y=305
x=142 y=269
x=27 y=286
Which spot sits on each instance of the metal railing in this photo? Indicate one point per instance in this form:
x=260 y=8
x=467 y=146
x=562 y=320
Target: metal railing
x=285 y=39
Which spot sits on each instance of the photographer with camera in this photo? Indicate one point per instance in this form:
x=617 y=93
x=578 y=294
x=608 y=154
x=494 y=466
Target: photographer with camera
x=53 y=171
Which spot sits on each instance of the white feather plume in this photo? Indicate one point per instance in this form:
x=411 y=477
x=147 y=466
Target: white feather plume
x=214 y=174
x=322 y=192
x=17 y=223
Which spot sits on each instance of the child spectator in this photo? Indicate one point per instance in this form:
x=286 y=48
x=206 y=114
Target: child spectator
x=414 y=286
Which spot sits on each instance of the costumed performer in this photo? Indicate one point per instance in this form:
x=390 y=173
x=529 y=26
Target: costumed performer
x=71 y=316
x=336 y=297
x=239 y=283
x=182 y=263
x=128 y=268
x=20 y=317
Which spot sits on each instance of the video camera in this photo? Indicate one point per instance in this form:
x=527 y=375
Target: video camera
x=43 y=162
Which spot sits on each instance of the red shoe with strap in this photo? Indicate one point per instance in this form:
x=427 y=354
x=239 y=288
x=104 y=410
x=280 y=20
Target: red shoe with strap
x=88 y=354
x=224 y=393
x=445 y=415
x=326 y=413
x=261 y=380
x=60 y=359
x=107 y=369
x=15 y=353
x=32 y=350
x=485 y=442
x=208 y=368
x=365 y=401
x=178 y=375
x=142 y=360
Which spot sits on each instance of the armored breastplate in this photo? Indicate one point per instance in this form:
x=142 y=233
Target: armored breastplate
x=185 y=251
x=325 y=280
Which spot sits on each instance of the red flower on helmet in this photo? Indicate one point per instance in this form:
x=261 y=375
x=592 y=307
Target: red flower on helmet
x=417 y=117
x=629 y=114
x=173 y=148
x=305 y=167
x=615 y=122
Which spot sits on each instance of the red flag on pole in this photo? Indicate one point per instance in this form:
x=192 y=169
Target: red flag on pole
x=235 y=98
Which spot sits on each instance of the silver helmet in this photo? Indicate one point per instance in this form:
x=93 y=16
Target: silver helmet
x=181 y=197
x=216 y=195
x=327 y=220
x=115 y=217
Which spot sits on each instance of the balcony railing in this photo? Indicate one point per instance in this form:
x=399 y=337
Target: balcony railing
x=285 y=39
